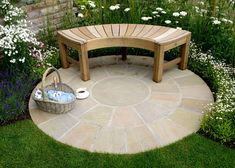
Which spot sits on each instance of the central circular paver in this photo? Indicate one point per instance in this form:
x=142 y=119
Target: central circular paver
x=120 y=91
x=126 y=111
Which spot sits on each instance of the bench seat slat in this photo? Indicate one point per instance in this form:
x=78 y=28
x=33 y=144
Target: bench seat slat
x=86 y=32
x=70 y=35
x=165 y=34
x=130 y=29
x=138 y=30
x=100 y=30
x=123 y=29
x=78 y=33
x=159 y=32
x=145 y=30
x=177 y=35
x=115 y=29
x=93 y=30
x=108 y=30
x=152 y=31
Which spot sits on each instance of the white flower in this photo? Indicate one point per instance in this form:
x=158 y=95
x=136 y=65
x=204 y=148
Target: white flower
x=80 y=15
x=91 y=4
x=202 y=3
x=183 y=13
x=102 y=7
x=145 y=18
x=155 y=12
x=13 y=61
x=163 y=12
x=127 y=9
x=224 y=20
x=159 y=9
x=167 y=21
x=230 y=21
x=179 y=28
x=83 y=7
x=176 y=21
x=22 y=60
x=117 y=6
x=216 y=22
x=204 y=11
x=176 y=14
x=114 y=7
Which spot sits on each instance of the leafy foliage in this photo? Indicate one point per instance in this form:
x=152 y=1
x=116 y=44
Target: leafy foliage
x=219 y=120
x=15 y=89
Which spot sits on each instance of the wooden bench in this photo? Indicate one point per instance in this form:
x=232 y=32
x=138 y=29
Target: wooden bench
x=158 y=39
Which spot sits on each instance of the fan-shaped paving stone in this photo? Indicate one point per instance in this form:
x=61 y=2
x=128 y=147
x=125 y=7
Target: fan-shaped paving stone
x=126 y=111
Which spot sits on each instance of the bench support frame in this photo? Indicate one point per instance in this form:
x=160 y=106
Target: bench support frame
x=158 y=49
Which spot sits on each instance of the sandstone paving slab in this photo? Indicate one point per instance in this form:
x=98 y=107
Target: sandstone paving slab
x=195 y=105
x=151 y=111
x=126 y=117
x=32 y=104
x=136 y=71
x=83 y=106
x=189 y=80
x=110 y=140
x=177 y=73
x=167 y=131
x=100 y=115
x=40 y=116
x=109 y=60
x=197 y=92
x=148 y=78
x=66 y=76
x=187 y=119
x=166 y=99
x=116 y=69
x=120 y=91
x=126 y=111
x=167 y=86
x=76 y=83
x=98 y=74
x=140 y=60
x=142 y=136
x=58 y=126
x=95 y=62
x=81 y=136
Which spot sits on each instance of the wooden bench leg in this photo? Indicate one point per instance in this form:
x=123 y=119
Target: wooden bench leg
x=158 y=63
x=84 y=64
x=63 y=55
x=124 y=53
x=184 y=52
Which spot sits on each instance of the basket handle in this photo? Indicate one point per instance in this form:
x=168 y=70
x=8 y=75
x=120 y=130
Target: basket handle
x=44 y=78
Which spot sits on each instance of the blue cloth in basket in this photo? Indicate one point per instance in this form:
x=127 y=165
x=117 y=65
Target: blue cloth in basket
x=60 y=96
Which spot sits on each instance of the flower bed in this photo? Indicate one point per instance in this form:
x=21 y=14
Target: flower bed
x=219 y=119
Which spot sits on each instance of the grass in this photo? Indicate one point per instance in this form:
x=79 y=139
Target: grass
x=24 y=145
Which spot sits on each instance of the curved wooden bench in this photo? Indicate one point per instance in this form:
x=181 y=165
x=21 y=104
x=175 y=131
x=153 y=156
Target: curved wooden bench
x=155 y=38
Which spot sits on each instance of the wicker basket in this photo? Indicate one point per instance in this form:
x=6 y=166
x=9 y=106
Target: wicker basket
x=51 y=106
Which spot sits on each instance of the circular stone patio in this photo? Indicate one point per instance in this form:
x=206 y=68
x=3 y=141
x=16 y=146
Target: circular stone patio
x=126 y=111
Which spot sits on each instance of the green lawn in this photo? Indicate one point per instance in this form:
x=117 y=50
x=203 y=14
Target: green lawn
x=24 y=145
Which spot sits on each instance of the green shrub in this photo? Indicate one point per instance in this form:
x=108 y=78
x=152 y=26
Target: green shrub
x=219 y=119
x=16 y=40
x=15 y=88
